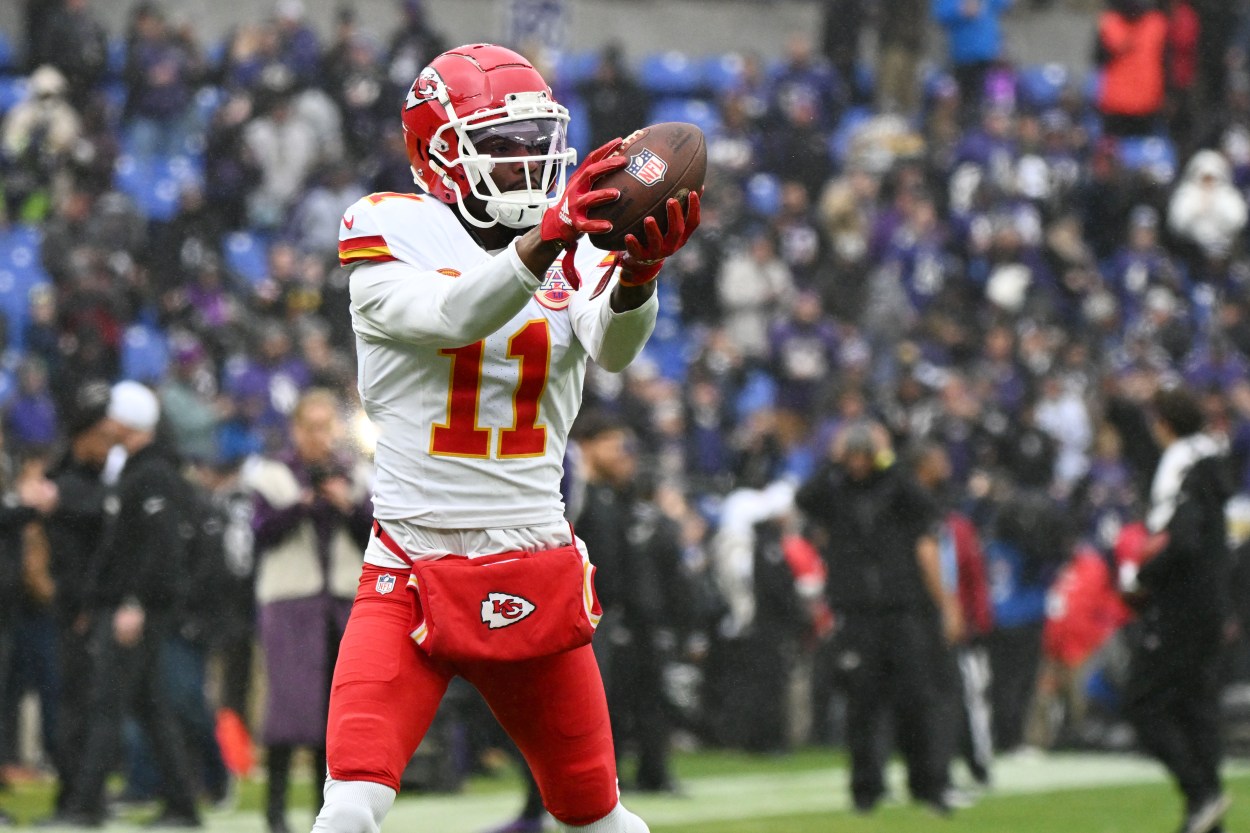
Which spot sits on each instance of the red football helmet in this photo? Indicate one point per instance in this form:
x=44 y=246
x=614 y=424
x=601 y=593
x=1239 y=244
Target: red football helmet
x=479 y=110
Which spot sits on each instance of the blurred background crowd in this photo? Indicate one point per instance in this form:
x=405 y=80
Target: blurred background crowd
x=995 y=266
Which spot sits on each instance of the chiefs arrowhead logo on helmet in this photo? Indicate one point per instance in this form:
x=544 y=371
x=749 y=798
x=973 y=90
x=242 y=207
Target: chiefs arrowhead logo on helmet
x=502 y=609
x=424 y=89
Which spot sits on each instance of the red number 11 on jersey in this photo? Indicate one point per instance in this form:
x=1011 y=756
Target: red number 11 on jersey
x=461 y=435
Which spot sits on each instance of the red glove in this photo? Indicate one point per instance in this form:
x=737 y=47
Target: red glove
x=640 y=264
x=566 y=221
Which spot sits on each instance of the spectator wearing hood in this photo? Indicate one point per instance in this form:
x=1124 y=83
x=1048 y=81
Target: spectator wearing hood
x=1206 y=210
x=37 y=141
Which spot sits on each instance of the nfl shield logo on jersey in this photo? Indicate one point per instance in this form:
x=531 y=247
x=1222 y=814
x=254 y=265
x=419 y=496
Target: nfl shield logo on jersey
x=502 y=609
x=646 y=167
x=386 y=583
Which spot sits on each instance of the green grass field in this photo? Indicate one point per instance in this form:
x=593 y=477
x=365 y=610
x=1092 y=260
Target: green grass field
x=801 y=793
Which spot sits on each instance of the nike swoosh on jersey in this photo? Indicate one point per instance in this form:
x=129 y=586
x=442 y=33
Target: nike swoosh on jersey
x=349 y=222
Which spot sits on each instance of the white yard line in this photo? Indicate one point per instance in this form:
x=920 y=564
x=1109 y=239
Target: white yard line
x=736 y=797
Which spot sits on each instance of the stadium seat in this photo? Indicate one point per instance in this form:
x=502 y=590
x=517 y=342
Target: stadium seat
x=117 y=58
x=13 y=90
x=840 y=139
x=579 y=126
x=15 y=289
x=696 y=111
x=8 y=386
x=572 y=68
x=114 y=99
x=8 y=57
x=145 y=354
x=207 y=100
x=723 y=73
x=763 y=195
x=19 y=257
x=865 y=81
x=670 y=74
x=247 y=255
x=156 y=184
x=1153 y=155
x=1091 y=87
x=1041 y=86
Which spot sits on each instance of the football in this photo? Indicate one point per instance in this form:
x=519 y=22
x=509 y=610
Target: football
x=665 y=160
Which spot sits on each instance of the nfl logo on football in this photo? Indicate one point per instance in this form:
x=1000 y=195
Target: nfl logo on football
x=646 y=167
x=386 y=583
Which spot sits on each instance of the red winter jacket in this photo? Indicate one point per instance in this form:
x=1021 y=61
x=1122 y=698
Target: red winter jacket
x=1083 y=609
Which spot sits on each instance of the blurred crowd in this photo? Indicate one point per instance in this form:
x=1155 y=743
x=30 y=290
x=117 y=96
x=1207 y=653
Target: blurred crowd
x=977 y=273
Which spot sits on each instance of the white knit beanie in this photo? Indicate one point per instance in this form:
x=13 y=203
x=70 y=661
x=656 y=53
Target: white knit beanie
x=134 y=406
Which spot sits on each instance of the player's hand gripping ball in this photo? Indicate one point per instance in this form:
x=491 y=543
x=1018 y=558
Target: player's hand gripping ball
x=665 y=161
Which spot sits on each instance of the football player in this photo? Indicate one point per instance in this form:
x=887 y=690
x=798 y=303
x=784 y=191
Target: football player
x=475 y=311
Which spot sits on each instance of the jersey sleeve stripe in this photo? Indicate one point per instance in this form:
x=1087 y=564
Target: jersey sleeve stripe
x=371 y=248
x=374 y=241
x=367 y=255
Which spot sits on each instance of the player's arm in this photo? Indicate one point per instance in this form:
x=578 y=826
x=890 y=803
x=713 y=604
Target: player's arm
x=615 y=336
x=401 y=302
x=612 y=337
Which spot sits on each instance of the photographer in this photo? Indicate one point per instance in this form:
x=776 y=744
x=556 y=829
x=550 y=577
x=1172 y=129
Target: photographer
x=311 y=521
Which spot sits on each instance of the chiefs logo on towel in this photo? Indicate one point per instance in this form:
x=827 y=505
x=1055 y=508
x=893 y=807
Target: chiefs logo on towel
x=502 y=609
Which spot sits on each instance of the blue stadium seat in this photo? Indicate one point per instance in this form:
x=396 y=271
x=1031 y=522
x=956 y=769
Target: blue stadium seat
x=156 y=184
x=723 y=73
x=145 y=353
x=15 y=288
x=696 y=111
x=1153 y=155
x=579 y=126
x=865 y=80
x=840 y=139
x=1040 y=86
x=573 y=67
x=114 y=93
x=671 y=74
x=13 y=90
x=763 y=194
x=1091 y=87
x=247 y=255
x=19 y=258
x=8 y=56
x=207 y=100
x=117 y=58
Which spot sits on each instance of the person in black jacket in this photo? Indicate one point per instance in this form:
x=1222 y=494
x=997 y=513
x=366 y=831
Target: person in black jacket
x=877 y=531
x=74 y=531
x=631 y=540
x=22 y=503
x=1172 y=696
x=135 y=587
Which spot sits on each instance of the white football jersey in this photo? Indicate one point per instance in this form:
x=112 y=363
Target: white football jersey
x=470 y=367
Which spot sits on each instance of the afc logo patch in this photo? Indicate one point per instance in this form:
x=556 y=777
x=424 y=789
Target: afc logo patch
x=385 y=584
x=646 y=167
x=502 y=609
x=555 y=293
